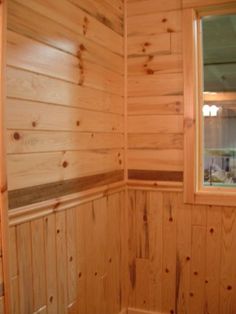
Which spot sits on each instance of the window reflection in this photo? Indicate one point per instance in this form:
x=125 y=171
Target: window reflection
x=219 y=101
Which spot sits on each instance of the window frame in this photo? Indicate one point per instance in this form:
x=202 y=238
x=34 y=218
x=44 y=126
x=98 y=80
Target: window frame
x=194 y=191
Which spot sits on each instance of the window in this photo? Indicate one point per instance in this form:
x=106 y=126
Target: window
x=210 y=105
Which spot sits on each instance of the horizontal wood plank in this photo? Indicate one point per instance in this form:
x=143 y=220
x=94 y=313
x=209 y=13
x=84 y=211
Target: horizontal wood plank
x=27 y=170
x=169 y=160
x=155 y=124
x=30 y=115
x=20 y=141
x=29 y=23
x=155 y=85
x=32 y=86
x=31 y=195
x=140 y=7
x=34 y=56
x=155 y=141
x=151 y=175
x=158 y=22
x=155 y=105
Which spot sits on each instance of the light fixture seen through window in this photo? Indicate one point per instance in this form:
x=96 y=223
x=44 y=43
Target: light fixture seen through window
x=210 y=111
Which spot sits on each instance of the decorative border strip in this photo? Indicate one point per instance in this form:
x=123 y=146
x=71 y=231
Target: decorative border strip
x=155 y=175
x=34 y=211
x=155 y=185
x=31 y=195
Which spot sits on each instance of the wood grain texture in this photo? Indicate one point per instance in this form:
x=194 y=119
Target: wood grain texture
x=181 y=242
x=31 y=195
x=71 y=261
x=65 y=75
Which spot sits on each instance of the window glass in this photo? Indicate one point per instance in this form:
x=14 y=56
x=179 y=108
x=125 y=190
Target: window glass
x=218 y=114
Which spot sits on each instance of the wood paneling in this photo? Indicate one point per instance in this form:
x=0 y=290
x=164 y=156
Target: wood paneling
x=78 y=252
x=65 y=83
x=178 y=252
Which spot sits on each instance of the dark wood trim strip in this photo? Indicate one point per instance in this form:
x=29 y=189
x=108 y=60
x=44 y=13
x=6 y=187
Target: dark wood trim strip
x=155 y=175
x=40 y=193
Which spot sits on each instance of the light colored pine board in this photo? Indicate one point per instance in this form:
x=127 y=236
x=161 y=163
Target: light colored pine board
x=13 y=252
x=34 y=169
x=213 y=258
x=76 y=20
x=96 y=221
x=152 y=105
x=34 y=56
x=183 y=254
x=44 y=141
x=30 y=115
x=25 y=268
x=61 y=265
x=51 y=262
x=71 y=255
x=155 y=208
x=198 y=270
x=171 y=63
x=131 y=208
x=155 y=124
x=31 y=24
x=142 y=227
x=104 y=12
x=32 y=86
x=38 y=263
x=155 y=85
x=171 y=159
x=142 y=283
x=169 y=278
x=144 y=45
x=15 y=295
x=113 y=254
x=140 y=7
x=156 y=22
x=227 y=268
x=81 y=231
x=155 y=141
x=176 y=43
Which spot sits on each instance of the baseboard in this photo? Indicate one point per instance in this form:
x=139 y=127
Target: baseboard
x=137 y=311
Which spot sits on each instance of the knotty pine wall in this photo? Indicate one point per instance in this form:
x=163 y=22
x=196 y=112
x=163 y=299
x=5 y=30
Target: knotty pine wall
x=70 y=261
x=181 y=257
x=65 y=136
x=65 y=88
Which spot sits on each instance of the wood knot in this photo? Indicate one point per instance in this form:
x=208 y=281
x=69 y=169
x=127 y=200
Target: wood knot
x=170 y=219
x=164 y=20
x=229 y=287
x=82 y=47
x=206 y=281
x=195 y=273
x=167 y=270
x=34 y=124
x=16 y=136
x=95 y=274
x=169 y=30
x=187 y=258
x=211 y=230
x=191 y=294
x=51 y=299
x=150 y=58
x=172 y=312
x=150 y=71
x=120 y=162
x=110 y=260
x=80 y=275
x=65 y=164
x=71 y=259
x=147 y=44
x=145 y=218
x=92 y=135
x=58 y=231
x=78 y=123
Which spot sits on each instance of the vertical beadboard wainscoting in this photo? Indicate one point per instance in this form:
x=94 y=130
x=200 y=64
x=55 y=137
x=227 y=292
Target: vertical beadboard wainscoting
x=70 y=260
x=181 y=257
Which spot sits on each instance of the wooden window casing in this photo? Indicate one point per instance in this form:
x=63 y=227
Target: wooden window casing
x=194 y=191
